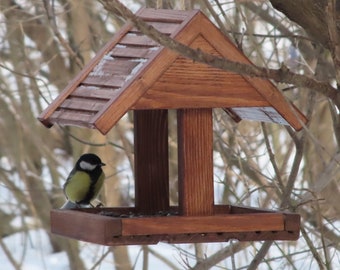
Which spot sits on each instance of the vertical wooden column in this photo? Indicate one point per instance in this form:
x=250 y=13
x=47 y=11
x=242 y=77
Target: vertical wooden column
x=195 y=162
x=151 y=161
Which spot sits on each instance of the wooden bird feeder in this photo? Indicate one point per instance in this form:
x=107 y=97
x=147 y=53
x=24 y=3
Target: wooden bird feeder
x=132 y=72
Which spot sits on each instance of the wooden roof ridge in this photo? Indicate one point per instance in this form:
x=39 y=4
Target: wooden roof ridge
x=128 y=71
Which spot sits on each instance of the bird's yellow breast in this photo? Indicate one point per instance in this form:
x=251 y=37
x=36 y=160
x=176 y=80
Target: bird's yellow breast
x=78 y=186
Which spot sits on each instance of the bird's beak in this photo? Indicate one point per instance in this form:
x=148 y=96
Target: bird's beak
x=102 y=164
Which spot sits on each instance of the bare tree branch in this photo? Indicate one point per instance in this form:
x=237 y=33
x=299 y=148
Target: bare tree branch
x=283 y=75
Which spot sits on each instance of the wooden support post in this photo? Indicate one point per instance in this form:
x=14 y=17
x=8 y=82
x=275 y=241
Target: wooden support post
x=151 y=161
x=195 y=162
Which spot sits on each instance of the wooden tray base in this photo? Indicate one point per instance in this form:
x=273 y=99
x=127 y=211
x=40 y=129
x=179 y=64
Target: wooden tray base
x=125 y=226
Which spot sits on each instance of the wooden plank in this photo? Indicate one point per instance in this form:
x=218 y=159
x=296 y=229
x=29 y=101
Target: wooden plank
x=104 y=80
x=263 y=114
x=225 y=237
x=202 y=238
x=150 y=14
x=133 y=52
x=82 y=104
x=115 y=66
x=219 y=209
x=81 y=118
x=164 y=27
x=84 y=226
x=195 y=162
x=139 y=40
x=182 y=97
x=151 y=161
x=203 y=224
x=84 y=91
x=292 y=222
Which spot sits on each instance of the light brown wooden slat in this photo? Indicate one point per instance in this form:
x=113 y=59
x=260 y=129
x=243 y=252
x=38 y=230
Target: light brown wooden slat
x=137 y=40
x=151 y=101
x=165 y=28
x=133 y=52
x=117 y=67
x=95 y=92
x=70 y=117
x=203 y=224
x=263 y=114
x=165 y=15
x=82 y=104
x=104 y=80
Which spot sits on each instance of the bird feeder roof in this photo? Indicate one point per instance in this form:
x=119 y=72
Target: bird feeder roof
x=133 y=72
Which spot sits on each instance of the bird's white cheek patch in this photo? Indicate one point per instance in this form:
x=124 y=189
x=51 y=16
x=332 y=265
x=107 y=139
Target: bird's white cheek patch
x=87 y=166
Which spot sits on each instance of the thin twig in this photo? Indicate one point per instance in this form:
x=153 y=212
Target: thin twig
x=283 y=75
x=312 y=248
x=272 y=158
x=62 y=41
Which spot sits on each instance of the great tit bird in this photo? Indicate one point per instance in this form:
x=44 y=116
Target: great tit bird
x=84 y=181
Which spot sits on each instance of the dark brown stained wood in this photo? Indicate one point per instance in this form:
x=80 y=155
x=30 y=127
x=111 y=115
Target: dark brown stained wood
x=151 y=161
x=292 y=222
x=97 y=227
x=84 y=226
x=195 y=162
x=202 y=237
x=203 y=224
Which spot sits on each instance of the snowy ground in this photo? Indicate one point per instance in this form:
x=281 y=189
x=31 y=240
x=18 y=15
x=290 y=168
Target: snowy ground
x=34 y=252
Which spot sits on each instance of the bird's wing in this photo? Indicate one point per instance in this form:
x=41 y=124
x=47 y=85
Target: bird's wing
x=98 y=185
x=77 y=186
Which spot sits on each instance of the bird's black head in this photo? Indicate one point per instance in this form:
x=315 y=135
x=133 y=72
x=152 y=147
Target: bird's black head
x=89 y=162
